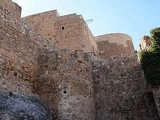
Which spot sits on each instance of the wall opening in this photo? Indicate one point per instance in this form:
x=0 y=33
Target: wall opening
x=62 y=28
x=65 y=90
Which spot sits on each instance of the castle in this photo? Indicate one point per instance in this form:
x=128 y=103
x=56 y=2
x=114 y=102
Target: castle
x=53 y=68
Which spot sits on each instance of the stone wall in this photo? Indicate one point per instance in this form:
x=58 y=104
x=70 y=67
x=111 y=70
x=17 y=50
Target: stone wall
x=19 y=49
x=43 y=24
x=66 y=32
x=74 y=85
x=17 y=106
x=120 y=90
x=145 y=42
x=12 y=7
x=115 y=44
x=65 y=83
x=73 y=33
x=156 y=94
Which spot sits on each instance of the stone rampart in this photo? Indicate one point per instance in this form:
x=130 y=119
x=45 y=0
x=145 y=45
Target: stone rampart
x=65 y=83
x=19 y=50
x=115 y=44
x=43 y=24
x=74 y=85
x=120 y=90
x=66 y=32
x=73 y=33
x=12 y=7
x=145 y=43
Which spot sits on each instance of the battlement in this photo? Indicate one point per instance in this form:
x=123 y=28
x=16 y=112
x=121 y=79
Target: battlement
x=11 y=7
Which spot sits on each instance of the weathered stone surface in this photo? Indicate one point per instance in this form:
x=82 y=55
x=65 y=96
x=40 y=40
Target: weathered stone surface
x=145 y=43
x=66 y=84
x=67 y=32
x=120 y=90
x=12 y=7
x=73 y=85
x=16 y=106
x=115 y=44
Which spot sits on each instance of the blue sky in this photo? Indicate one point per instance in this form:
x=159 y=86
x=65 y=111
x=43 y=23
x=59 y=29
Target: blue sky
x=133 y=17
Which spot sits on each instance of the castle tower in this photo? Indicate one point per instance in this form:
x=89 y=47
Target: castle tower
x=66 y=32
x=115 y=44
x=145 y=42
x=11 y=7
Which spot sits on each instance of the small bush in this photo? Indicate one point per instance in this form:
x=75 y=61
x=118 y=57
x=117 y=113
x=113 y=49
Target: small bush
x=150 y=59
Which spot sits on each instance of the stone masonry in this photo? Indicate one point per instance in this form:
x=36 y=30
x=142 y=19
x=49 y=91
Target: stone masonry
x=54 y=65
x=115 y=44
x=145 y=43
x=66 y=32
x=12 y=7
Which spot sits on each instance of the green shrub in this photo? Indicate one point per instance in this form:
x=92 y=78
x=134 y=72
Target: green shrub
x=150 y=59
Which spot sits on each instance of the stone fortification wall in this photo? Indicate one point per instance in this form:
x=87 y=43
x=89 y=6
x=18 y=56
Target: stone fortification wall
x=120 y=90
x=72 y=84
x=19 y=49
x=155 y=93
x=12 y=7
x=145 y=43
x=73 y=33
x=62 y=80
x=114 y=44
x=43 y=24
x=65 y=83
x=67 y=32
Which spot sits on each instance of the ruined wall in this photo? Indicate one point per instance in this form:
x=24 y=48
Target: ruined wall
x=120 y=90
x=12 y=7
x=145 y=43
x=65 y=83
x=43 y=24
x=19 y=49
x=115 y=44
x=67 y=32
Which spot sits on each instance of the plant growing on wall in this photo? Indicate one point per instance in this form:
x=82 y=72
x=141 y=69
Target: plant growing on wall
x=150 y=59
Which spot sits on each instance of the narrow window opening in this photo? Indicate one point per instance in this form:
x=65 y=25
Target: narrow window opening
x=65 y=90
x=62 y=28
